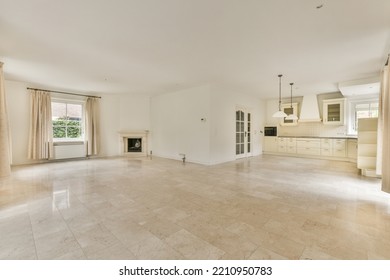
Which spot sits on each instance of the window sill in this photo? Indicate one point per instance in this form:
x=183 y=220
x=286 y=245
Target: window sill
x=68 y=142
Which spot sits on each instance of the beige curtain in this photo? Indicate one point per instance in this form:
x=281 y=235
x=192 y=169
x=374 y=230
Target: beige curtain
x=41 y=130
x=384 y=130
x=5 y=142
x=92 y=126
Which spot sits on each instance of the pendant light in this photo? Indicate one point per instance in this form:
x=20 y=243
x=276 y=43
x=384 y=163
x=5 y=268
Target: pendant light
x=280 y=113
x=291 y=116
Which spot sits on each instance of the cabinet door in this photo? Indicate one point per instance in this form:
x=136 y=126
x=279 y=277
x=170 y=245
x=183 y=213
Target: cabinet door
x=339 y=147
x=326 y=152
x=270 y=144
x=352 y=148
x=333 y=111
x=289 y=109
x=282 y=145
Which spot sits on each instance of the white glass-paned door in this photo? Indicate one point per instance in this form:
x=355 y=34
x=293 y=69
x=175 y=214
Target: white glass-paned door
x=243 y=134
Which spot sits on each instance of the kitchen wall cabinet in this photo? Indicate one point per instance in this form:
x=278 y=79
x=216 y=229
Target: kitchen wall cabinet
x=289 y=108
x=334 y=111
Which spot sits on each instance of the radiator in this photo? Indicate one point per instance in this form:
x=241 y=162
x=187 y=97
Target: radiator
x=69 y=150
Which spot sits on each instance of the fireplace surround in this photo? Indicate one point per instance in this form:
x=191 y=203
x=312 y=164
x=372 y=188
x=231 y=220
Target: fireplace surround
x=134 y=143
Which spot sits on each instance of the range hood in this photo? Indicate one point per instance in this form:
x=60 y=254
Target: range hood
x=309 y=109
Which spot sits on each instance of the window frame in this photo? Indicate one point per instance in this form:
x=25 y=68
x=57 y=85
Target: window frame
x=76 y=102
x=352 y=129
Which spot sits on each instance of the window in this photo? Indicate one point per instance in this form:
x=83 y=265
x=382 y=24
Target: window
x=362 y=109
x=67 y=118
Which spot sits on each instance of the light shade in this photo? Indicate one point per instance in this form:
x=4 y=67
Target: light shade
x=292 y=117
x=279 y=114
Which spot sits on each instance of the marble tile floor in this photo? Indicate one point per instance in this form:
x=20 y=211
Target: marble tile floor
x=265 y=207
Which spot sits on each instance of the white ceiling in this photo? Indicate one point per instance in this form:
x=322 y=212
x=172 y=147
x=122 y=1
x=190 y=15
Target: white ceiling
x=157 y=46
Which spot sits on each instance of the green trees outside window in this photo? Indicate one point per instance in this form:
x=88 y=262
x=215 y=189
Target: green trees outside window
x=67 y=120
x=64 y=128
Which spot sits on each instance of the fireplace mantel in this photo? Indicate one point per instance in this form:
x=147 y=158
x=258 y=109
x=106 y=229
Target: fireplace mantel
x=132 y=134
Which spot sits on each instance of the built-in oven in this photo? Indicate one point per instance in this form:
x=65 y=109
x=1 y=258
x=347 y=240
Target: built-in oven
x=270 y=131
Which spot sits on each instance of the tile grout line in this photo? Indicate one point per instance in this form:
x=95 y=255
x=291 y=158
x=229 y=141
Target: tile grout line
x=67 y=226
x=32 y=232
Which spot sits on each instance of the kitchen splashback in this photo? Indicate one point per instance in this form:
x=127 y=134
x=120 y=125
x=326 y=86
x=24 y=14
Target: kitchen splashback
x=313 y=129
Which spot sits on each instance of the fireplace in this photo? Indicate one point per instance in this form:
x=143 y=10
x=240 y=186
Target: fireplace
x=134 y=143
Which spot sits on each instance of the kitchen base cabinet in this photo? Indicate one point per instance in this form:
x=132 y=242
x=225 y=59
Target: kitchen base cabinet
x=282 y=145
x=270 y=144
x=325 y=148
x=309 y=146
x=291 y=145
x=308 y=151
x=339 y=147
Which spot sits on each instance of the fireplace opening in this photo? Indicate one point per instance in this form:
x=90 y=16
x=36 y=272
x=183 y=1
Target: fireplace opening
x=134 y=145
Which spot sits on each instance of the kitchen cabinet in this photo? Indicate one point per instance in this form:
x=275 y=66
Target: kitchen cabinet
x=282 y=145
x=367 y=145
x=291 y=145
x=289 y=108
x=270 y=144
x=339 y=147
x=308 y=146
x=326 y=147
x=334 y=111
x=352 y=149
x=332 y=147
x=287 y=145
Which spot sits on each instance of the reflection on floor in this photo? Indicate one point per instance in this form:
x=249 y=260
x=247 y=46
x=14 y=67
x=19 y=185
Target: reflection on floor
x=266 y=207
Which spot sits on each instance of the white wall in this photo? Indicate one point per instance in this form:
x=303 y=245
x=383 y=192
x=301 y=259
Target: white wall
x=117 y=113
x=174 y=121
x=224 y=102
x=272 y=105
x=134 y=113
x=177 y=126
x=121 y=113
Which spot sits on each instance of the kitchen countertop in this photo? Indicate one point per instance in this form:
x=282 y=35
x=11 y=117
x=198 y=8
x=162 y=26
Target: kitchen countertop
x=327 y=137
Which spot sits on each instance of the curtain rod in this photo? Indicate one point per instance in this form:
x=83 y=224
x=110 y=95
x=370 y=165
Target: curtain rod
x=63 y=92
